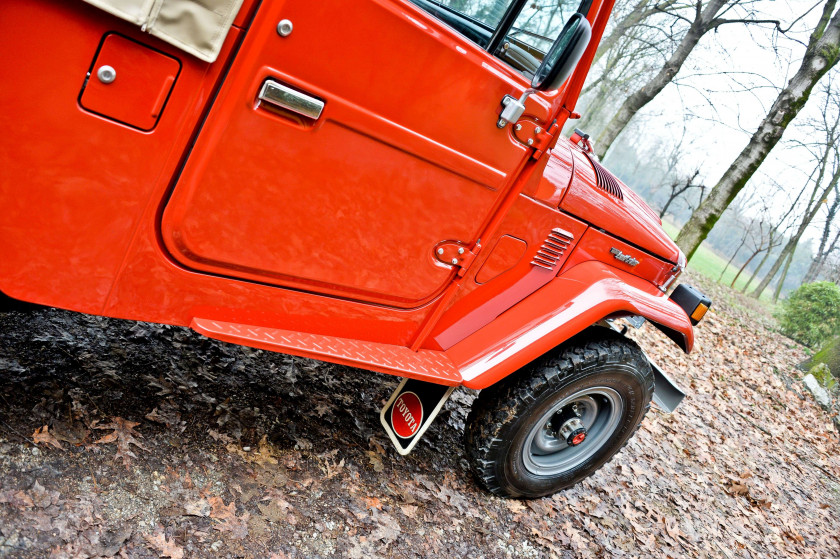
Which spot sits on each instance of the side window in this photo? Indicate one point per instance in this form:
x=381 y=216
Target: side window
x=476 y=19
x=540 y=22
x=488 y=12
x=529 y=27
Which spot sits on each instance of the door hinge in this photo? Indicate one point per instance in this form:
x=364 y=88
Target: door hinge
x=535 y=135
x=454 y=253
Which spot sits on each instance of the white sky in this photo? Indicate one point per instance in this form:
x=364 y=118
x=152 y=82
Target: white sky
x=727 y=85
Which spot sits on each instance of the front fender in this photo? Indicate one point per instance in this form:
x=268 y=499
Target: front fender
x=587 y=293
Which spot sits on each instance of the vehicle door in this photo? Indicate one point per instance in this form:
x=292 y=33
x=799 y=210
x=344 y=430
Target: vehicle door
x=348 y=140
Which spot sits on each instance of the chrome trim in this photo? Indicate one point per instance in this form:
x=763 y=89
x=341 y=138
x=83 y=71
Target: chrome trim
x=279 y=95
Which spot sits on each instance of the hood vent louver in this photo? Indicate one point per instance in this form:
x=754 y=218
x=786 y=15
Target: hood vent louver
x=606 y=180
x=552 y=249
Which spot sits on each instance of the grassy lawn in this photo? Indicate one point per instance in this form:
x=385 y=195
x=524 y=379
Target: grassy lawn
x=711 y=264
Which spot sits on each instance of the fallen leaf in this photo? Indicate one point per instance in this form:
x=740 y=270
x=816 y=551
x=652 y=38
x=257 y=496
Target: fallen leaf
x=43 y=435
x=514 y=506
x=237 y=526
x=375 y=461
x=409 y=510
x=123 y=435
x=198 y=507
x=373 y=503
x=166 y=548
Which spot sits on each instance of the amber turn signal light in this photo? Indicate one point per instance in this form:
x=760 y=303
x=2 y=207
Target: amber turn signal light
x=692 y=301
x=699 y=312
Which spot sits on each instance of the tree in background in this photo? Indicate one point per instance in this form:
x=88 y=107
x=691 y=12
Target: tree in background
x=826 y=248
x=679 y=187
x=825 y=152
x=821 y=54
x=703 y=17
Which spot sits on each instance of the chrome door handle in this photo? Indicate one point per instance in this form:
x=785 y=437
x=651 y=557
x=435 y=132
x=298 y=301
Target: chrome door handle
x=279 y=95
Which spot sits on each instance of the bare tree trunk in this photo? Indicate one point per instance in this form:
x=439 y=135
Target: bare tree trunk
x=823 y=249
x=817 y=195
x=642 y=96
x=820 y=56
x=640 y=12
x=818 y=263
x=782 y=279
x=737 y=250
x=744 y=267
x=757 y=269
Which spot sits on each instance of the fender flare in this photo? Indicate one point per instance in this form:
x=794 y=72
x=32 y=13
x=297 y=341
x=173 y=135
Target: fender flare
x=591 y=291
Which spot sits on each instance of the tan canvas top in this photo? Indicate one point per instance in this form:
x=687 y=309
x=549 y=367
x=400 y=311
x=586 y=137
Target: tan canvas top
x=197 y=26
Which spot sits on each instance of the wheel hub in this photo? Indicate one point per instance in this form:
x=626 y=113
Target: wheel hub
x=555 y=443
x=572 y=431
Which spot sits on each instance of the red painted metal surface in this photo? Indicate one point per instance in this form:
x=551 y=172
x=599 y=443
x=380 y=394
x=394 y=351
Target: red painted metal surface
x=73 y=184
x=430 y=366
x=586 y=294
x=629 y=219
x=505 y=255
x=354 y=204
x=143 y=82
x=323 y=232
x=596 y=245
x=552 y=184
x=477 y=305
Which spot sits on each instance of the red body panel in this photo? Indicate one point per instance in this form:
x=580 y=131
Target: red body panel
x=354 y=203
x=629 y=219
x=591 y=291
x=181 y=200
x=74 y=184
x=138 y=95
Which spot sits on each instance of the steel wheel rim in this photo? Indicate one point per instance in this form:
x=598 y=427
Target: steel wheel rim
x=600 y=408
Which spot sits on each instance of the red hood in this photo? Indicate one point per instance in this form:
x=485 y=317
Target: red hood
x=625 y=215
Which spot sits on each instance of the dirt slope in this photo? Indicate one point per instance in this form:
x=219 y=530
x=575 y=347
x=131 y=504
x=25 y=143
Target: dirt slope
x=156 y=442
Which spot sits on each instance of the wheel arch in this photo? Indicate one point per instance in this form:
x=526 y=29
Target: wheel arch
x=592 y=292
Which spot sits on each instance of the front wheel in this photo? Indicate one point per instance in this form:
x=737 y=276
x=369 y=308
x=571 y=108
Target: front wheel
x=561 y=418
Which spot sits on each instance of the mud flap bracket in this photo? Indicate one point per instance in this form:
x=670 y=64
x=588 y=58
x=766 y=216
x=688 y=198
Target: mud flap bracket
x=410 y=410
x=666 y=394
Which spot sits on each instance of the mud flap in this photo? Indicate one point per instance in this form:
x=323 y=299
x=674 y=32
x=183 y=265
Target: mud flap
x=410 y=410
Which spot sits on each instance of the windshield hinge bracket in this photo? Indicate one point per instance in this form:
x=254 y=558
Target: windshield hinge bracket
x=456 y=254
x=535 y=135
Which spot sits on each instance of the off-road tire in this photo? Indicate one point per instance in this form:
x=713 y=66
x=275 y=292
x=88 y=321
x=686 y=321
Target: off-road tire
x=506 y=414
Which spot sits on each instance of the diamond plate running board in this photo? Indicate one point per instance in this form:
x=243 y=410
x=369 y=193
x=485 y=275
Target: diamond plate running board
x=427 y=365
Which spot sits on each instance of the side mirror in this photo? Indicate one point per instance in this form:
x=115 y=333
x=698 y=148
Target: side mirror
x=564 y=54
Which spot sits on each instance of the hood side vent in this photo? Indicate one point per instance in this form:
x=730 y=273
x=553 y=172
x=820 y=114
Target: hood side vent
x=552 y=250
x=606 y=180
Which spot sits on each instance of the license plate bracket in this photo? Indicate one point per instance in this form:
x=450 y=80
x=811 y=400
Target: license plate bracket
x=410 y=410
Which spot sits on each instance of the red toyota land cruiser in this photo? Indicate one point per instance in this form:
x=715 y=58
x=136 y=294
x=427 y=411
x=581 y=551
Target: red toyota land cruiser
x=377 y=183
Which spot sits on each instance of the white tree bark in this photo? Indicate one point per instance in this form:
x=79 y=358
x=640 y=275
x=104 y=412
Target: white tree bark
x=820 y=56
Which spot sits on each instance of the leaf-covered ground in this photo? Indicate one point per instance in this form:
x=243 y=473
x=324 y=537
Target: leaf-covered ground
x=138 y=440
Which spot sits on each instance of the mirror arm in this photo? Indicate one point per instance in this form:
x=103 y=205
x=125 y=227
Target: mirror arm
x=505 y=24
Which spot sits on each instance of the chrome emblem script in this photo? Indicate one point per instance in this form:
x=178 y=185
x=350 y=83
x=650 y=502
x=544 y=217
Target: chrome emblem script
x=626 y=258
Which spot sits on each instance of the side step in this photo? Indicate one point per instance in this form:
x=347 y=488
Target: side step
x=426 y=365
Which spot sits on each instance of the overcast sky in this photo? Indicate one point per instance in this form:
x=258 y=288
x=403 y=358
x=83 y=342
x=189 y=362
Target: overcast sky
x=727 y=85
